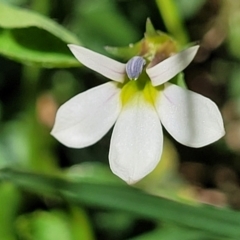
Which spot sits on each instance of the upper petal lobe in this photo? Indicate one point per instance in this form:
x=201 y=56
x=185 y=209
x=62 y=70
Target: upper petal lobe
x=170 y=67
x=106 y=66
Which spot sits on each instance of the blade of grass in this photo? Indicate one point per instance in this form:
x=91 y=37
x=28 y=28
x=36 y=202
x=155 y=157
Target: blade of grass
x=221 y=222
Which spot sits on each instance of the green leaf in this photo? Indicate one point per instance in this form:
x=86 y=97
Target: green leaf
x=31 y=38
x=174 y=232
x=10 y=199
x=220 y=222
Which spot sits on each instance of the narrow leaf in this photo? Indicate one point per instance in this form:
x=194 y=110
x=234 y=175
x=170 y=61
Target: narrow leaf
x=221 y=222
x=31 y=38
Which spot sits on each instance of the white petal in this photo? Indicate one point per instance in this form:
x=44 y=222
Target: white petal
x=189 y=117
x=88 y=116
x=136 y=144
x=167 y=69
x=106 y=66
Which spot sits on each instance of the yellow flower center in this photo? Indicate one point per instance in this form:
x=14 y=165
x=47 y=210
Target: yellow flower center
x=141 y=86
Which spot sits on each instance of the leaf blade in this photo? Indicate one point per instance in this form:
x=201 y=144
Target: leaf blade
x=221 y=222
x=31 y=38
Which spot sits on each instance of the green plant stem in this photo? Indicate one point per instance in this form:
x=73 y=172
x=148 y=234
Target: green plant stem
x=172 y=20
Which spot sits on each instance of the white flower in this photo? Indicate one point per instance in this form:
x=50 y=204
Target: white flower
x=138 y=109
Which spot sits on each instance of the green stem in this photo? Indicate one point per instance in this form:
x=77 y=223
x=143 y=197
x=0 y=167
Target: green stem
x=172 y=20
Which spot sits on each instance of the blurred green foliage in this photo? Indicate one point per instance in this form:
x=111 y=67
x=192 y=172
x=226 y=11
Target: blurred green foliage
x=31 y=38
x=48 y=191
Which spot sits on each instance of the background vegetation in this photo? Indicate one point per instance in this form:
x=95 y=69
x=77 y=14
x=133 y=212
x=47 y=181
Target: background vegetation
x=48 y=191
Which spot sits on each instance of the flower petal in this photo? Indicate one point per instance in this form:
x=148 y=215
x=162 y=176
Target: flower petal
x=189 y=117
x=167 y=69
x=87 y=117
x=137 y=139
x=106 y=66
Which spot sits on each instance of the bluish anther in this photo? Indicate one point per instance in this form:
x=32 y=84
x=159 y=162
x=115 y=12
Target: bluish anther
x=134 y=67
